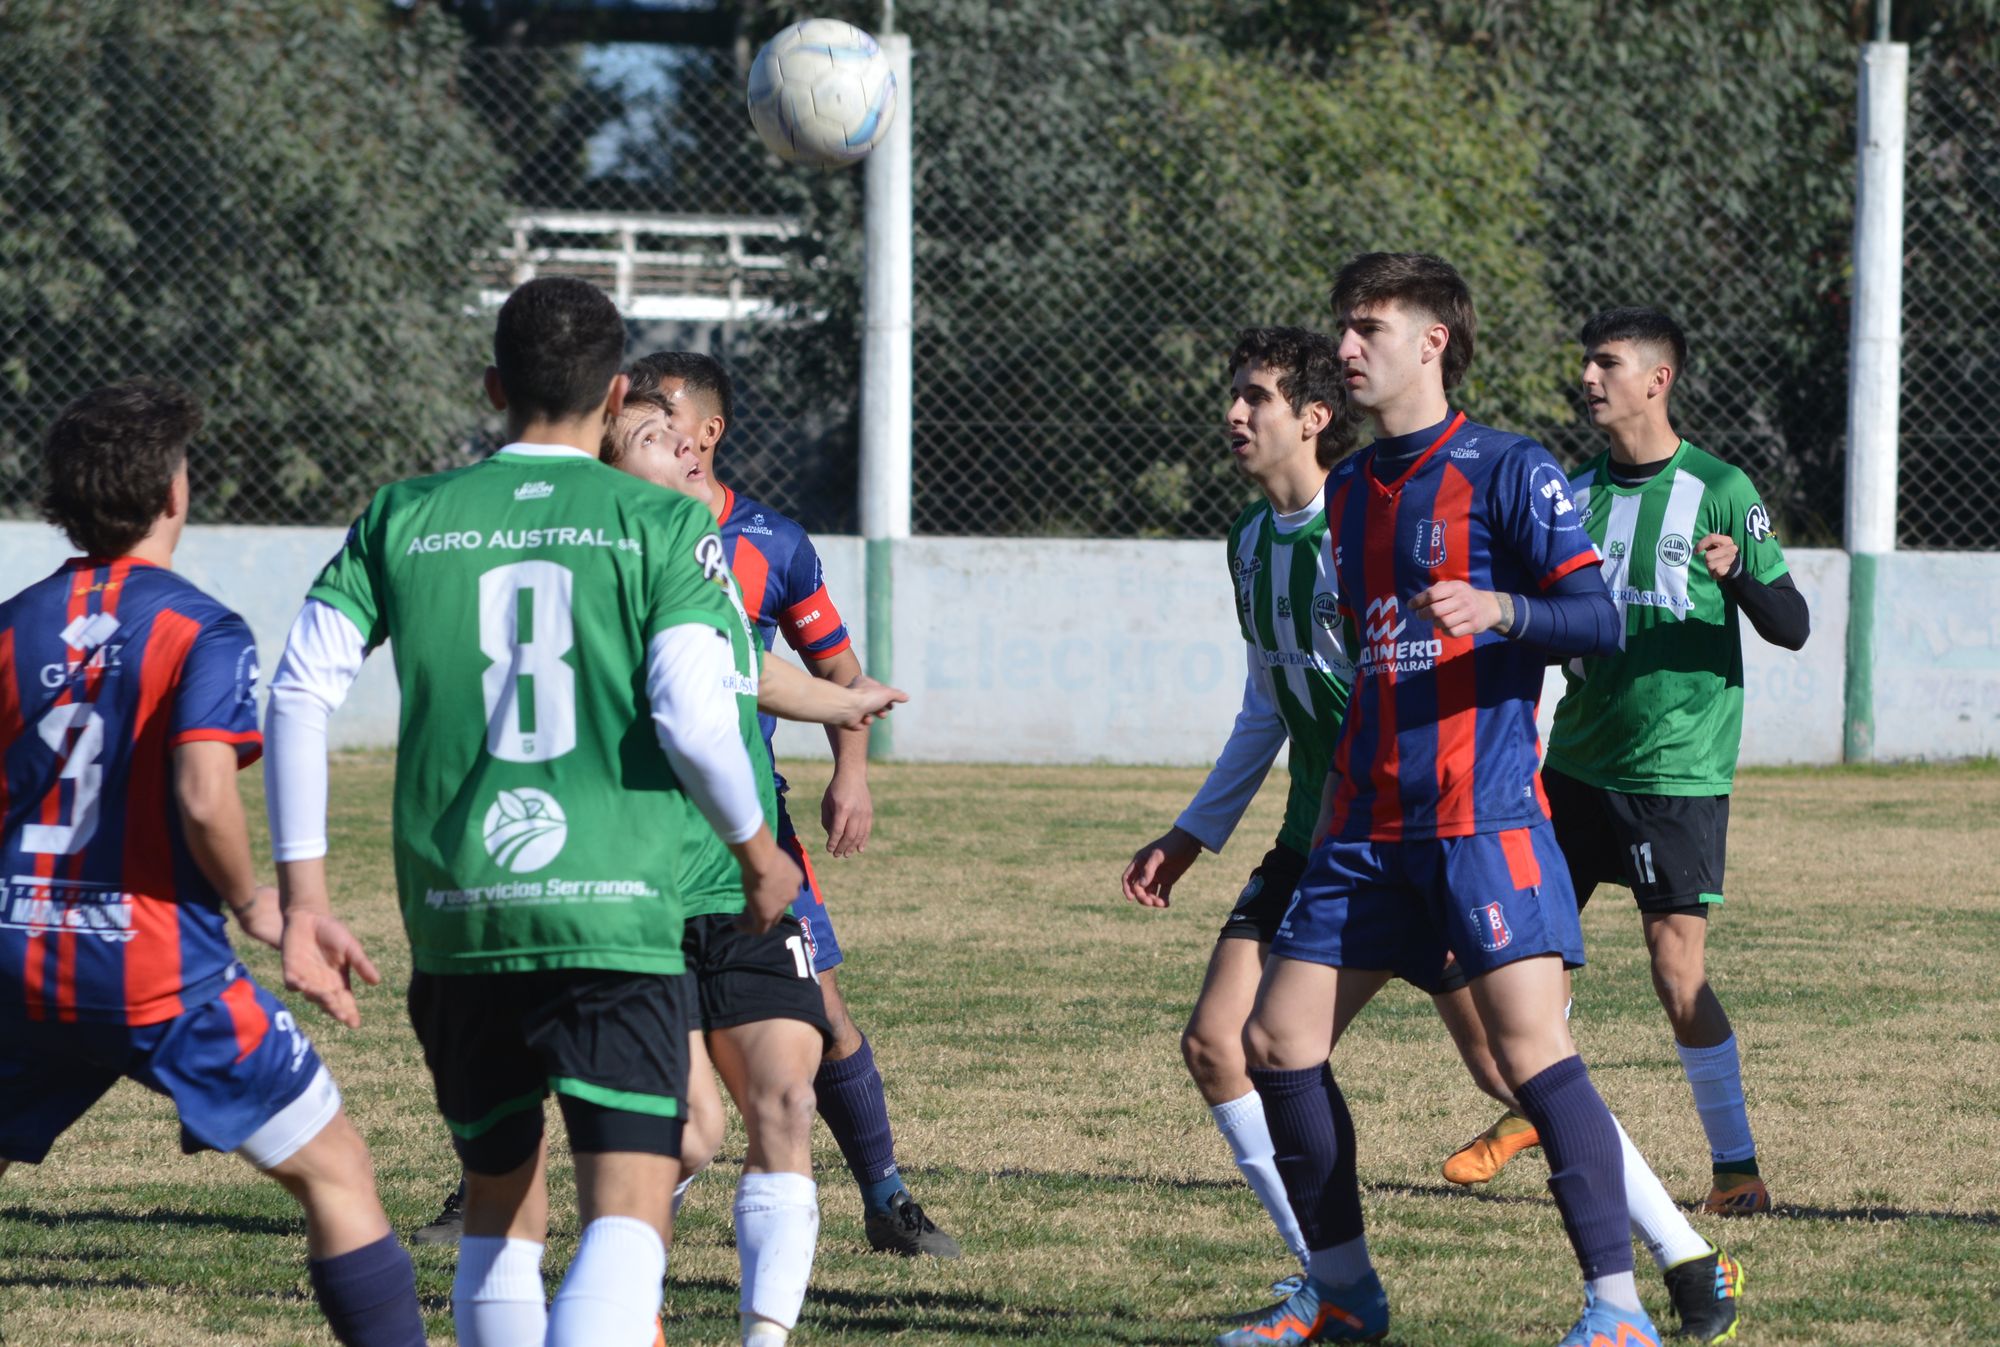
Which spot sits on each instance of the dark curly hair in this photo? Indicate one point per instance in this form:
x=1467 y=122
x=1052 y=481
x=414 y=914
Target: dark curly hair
x=109 y=461
x=1309 y=371
x=1430 y=285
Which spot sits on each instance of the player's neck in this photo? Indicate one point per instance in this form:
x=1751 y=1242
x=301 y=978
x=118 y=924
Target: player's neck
x=718 y=498
x=585 y=433
x=1295 y=485
x=1418 y=408
x=157 y=547
x=1643 y=442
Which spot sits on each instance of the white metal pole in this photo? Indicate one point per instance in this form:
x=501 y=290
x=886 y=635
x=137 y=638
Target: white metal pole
x=1875 y=343
x=886 y=301
x=887 y=311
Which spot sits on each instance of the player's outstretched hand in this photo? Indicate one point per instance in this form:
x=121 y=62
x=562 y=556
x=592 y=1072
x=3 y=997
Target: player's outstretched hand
x=872 y=701
x=262 y=920
x=1718 y=553
x=768 y=889
x=1457 y=609
x=322 y=957
x=847 y=812
x=1156 y=867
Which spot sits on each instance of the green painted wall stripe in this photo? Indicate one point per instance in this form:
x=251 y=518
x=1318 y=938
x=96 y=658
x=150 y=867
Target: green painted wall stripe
x=658 y=1105
x=498 y=1114
x=881 y=637
x=1859 y=740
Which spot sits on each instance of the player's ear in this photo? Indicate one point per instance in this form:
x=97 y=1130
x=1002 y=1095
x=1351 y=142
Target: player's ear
x=496 y=392
x=1436 y=337
x=711 y=431
x=1662 y=382
x=1318 y=416
x=614 y=396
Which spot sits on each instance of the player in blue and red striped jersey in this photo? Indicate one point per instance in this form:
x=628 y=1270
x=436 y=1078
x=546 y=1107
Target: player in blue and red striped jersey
x=126 y=709
x=688 y=396
x=1464 y=567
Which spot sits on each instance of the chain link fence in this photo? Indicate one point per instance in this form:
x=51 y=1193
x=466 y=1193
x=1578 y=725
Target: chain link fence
x=311 y=228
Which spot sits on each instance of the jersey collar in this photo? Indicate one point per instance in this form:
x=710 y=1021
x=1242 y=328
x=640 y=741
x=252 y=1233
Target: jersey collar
x=728 y=503
x=1666 y=472
x=525 y=449
x=1391 y=488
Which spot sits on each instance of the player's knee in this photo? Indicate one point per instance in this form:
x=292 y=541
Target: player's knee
x=1263 y=1045
x=781 y=1111
x=1211 y=1055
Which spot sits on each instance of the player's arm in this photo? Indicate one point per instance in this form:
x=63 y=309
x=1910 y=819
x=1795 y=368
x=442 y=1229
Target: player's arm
x=846 y=810
x=688 y=677
x=1777 y=609
x=789 y=693
x=323 y=655
x=1210 y=818
x=218 y=837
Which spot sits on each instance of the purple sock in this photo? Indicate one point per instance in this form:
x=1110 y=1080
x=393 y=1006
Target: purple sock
x=1312 y=1134
x=369 y=1295
x=1586 y=1164
x=850 y=1099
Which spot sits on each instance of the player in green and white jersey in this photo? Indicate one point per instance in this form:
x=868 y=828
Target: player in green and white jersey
x=1288 y=424
x=574 y=775
x=1643 y=754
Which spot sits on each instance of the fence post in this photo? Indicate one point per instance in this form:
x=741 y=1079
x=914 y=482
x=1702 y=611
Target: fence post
x=886 y=319
x=1874 y=364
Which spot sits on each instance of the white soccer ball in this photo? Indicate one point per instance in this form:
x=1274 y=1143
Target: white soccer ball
x=822 y=93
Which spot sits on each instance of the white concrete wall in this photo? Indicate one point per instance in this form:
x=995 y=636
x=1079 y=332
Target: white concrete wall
x=1044 y=650
x=1937 y=655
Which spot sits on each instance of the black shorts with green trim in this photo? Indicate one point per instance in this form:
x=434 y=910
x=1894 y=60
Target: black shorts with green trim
x=611 y=1046
x=1668 y=849
x=1260 y=908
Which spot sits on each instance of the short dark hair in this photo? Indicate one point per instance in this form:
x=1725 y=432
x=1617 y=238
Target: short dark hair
x=1644 y=326
x=1430 y=285
x=1309 y=371
x=109 y=462
x=698 y=373
x=557 y=345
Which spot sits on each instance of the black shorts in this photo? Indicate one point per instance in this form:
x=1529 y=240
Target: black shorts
x=611 y=1046
x=1260 y=908
x=1668 y=849
x=741 y=979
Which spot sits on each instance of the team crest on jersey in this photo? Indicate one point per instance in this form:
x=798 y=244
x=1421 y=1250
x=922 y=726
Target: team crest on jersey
x=1494 y=934
x=1430 y=542
x=1674 y=550
x=525 y=829
x=1326 y=611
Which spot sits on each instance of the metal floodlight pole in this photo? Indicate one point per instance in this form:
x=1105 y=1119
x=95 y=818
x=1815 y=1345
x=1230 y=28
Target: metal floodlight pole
x=1874 y=363
x=887 y=291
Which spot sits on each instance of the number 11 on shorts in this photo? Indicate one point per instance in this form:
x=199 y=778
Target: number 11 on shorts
x=1642 y=863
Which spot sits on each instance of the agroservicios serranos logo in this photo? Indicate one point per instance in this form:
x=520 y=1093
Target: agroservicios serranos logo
x=525 y=829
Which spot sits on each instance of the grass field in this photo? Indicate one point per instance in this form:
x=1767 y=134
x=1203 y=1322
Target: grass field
x=1027 y=1020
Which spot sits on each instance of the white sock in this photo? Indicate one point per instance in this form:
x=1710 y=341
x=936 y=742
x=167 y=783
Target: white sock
x=611 y=1295
x=1342 y=1264
x=1656 y=1220
x=1617 y=1290
x=1241 y=1122
x=681 y=1191
x=497 y=1298
x=777 y=1227
x=1717 y=1081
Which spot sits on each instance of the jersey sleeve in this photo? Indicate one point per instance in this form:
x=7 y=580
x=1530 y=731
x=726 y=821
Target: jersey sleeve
x=217 y=695
x=688 y=572
x=352 y=581
x=1536 y=515
x=810 y=622
x=1739 y=511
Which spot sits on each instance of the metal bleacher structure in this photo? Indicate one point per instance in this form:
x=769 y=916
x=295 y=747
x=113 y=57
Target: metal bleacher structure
x=698 y=269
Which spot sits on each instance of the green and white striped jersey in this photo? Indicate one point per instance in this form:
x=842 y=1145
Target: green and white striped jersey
x=1665 y=715
x=1288 y=611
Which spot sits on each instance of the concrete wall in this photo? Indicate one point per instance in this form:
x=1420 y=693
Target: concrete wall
x=1937 y=655
x=1042 y=650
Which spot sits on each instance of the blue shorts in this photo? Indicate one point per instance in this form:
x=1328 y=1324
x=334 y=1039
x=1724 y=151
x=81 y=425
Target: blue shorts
x=241 y=1073
x=1487 y=900
x=810 y=907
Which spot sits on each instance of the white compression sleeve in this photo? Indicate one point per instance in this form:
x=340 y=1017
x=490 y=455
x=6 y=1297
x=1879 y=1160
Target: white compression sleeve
x=323 y=654
x=1254 y=741
x=691 y=685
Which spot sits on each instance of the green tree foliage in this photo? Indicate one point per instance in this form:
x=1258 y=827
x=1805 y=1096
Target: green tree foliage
x=279 y=203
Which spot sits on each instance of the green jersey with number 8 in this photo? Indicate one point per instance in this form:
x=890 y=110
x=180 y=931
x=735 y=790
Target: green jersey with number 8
x=537 y=822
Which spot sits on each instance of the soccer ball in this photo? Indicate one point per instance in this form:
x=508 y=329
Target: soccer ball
x=822 y=93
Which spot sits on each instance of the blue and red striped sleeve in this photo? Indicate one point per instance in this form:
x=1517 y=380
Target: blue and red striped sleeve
x=216 y=698
x=812 y=625
x=1536 y=517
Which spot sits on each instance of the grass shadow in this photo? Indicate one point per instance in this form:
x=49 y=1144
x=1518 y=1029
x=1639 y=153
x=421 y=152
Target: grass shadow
x=199 y=1220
